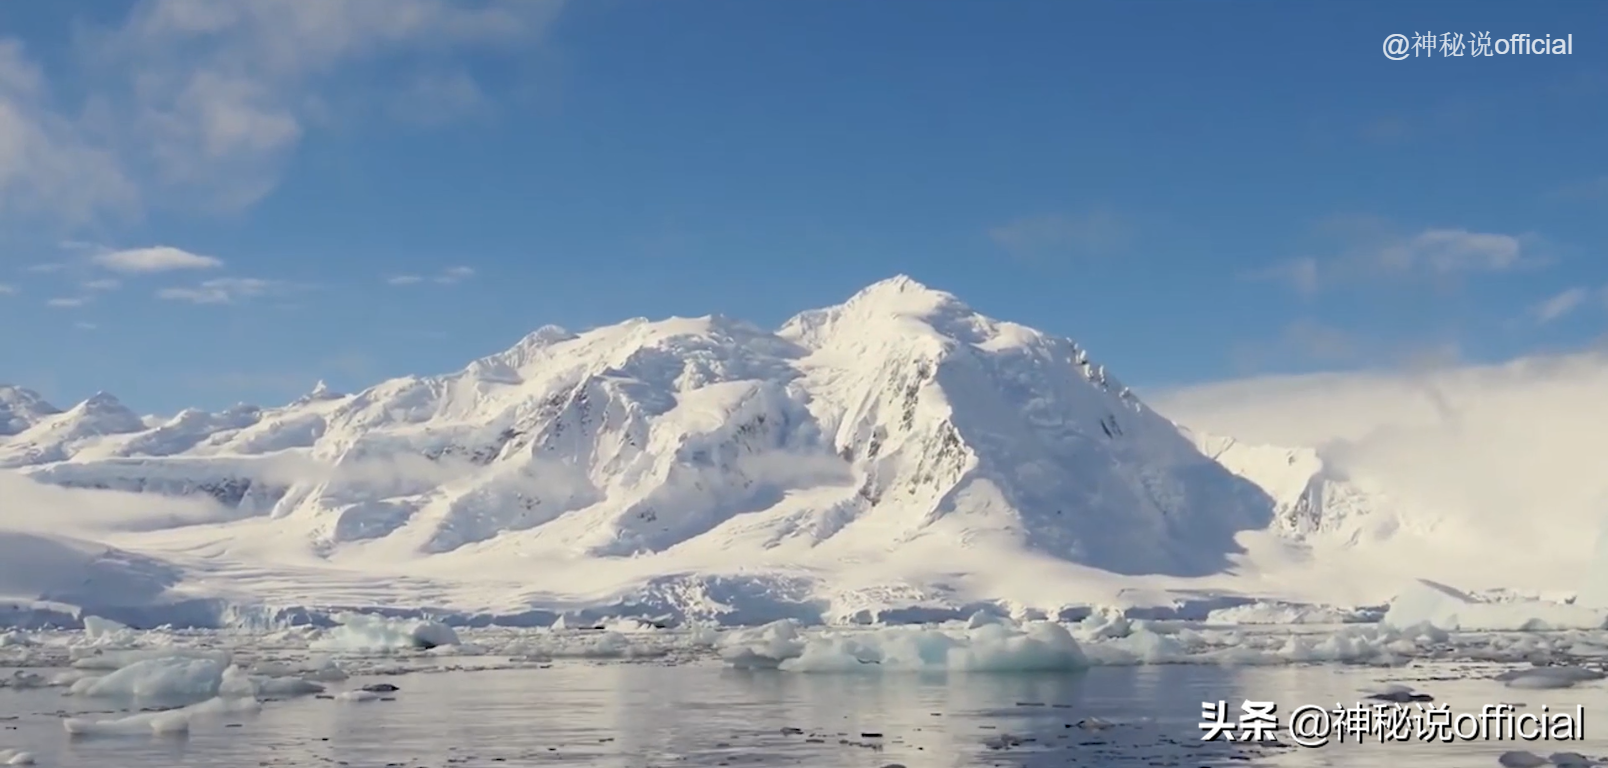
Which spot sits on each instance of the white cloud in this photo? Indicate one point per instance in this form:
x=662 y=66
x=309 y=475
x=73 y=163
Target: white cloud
x=447 y=276
x=455 y=274
x=159 y=258
x=224 y=290
x=49 y=163
x=67 y=302
x=105 y=284
x=198 y=103
x=1369 y=249
x=1091 y=233
x=1483 y=456
x=1444 y=251
x=83 y=326
x=7 y=290
x=1561 y=304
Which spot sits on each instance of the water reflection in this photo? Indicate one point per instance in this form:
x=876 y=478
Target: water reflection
x=643 y=715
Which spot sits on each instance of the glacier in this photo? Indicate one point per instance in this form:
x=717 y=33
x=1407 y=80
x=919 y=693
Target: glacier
x=895 y=458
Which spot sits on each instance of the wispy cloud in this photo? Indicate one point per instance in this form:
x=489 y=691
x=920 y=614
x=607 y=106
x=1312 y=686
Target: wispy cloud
x=1367 y=250
x=1092 y=233
x=447 y=276
x=1566 y=302
x=67 y=302
x=1561 y=304
x=158 y=258
x=7 y=290
x=201 y=103
x=105 y=284
x=84 y=326
x=223 y=290
x=454 y=275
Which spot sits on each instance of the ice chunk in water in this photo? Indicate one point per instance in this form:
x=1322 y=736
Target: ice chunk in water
x=1548 y=678
x=1446 y=608
x=174 y=678
x=172 y=721
x=364 y=633
x=1037 y=647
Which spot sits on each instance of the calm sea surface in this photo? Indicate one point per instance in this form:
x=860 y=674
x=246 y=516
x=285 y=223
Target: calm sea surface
x=706 y=715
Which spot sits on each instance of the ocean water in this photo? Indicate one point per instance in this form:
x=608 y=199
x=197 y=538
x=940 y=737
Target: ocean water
x=703 y=714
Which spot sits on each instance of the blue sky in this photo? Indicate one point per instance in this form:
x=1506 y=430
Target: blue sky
x=211 y=202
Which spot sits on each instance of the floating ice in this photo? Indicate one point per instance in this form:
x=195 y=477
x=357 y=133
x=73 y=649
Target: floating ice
x=22 y=679
x=1428 y=602
x=97 y=628
x=640 y=644
x=1549 y=678
x=365 y=633
x=1037 y=647
x=118 y=659
x=175 y=678
x=172 y=721
x=14 y=640
x=15 y=757
x=1282 y=614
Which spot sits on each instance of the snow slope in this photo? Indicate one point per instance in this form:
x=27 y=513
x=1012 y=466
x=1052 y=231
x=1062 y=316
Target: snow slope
x=22 y=408
x=895 y=455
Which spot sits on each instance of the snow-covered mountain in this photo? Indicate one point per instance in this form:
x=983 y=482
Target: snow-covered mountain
x=22 y=408
x=1312 y=499
x=896 y=425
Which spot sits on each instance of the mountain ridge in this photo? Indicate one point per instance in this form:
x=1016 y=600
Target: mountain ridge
x=871 y=431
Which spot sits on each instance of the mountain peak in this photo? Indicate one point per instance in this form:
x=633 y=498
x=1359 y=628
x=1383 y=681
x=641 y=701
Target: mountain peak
x=321 y=391
x=21 y=408
x=900 y=307
x=903 y=297
x=101 y=401
x=903 y=293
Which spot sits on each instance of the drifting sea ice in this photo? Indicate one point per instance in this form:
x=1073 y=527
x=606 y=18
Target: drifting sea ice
x=172 y=678
x=171 y=721
x=98 y=629
x=208 y=686
x=1447 y=608
x=1549 y=677
x=364 y=633
x=994 y=647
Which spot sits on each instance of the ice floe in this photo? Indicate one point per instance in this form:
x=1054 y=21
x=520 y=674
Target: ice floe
x=1037 y=647
x=366 y=633
x=1447 y=608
